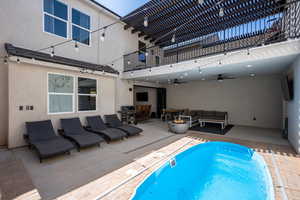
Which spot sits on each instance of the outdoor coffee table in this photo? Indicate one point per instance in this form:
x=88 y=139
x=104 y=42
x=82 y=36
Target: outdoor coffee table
x=203 y=121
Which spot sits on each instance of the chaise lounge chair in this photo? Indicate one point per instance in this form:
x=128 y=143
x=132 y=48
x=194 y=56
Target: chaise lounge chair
x=42 y=137
x=114 y=122
x=73 y=130
x=96 y=125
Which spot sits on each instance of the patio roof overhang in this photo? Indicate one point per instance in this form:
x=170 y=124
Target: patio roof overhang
x=26 y=53
x=190 y=19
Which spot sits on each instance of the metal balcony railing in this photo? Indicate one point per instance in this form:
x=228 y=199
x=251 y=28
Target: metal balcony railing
x=279 y=25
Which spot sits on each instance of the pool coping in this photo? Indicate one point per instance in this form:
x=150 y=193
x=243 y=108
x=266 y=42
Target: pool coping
x=122 y=183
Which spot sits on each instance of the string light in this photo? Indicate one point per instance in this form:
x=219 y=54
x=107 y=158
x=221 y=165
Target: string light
x=102 y=37
x=146 y=22
x=76 y=46
x=200 y=1
x=221 y=12
x=52 y=52
x=200 y=71
x=173 y=40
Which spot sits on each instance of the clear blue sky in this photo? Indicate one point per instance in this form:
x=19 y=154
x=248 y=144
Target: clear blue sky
x=122 y=7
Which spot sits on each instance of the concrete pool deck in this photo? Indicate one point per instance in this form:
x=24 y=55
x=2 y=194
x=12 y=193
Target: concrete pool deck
x=283 y=163
x=69 y=175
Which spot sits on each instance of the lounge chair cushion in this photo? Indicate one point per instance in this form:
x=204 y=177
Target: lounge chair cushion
x=86 y=139
x=52 y=147
x=96 y=123
x=72 y=126
x=40 y=130
x=112 y=133
x=113 y=121
x=130 y=130
x=73 y=130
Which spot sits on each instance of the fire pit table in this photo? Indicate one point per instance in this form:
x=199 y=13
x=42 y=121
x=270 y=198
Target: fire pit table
x=178 y=126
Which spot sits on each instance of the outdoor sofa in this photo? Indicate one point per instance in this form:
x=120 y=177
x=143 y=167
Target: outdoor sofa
x=97 y=125
x=41 y=136
x=196 y=116
x=114 y=122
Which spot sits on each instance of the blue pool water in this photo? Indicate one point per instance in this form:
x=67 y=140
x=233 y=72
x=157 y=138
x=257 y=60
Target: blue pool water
x=210 y=171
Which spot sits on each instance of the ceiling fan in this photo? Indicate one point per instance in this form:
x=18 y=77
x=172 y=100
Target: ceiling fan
x=222 y=77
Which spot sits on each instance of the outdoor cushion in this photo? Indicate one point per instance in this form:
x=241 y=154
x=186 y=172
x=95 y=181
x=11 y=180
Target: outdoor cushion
x=113 y=120
x=131 y=130
x=40 y=130
x=73 y=130
x=97 y=125
x=113 y=133
x=86 y=139
x=52 y=147
x=42 y=137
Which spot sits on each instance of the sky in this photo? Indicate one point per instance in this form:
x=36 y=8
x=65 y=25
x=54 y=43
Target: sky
x=122 y=7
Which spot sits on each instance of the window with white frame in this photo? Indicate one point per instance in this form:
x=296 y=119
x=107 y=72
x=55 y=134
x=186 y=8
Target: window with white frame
x=56 y=18
x=81 y=24
x=87 y=94
x=60 y=94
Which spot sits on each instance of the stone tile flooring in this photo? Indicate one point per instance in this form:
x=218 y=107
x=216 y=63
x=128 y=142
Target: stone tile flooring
x=283 y=163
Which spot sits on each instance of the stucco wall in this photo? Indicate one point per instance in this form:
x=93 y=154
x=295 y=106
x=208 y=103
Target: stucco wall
x=293 y=109
x=243 y=99
x=22 y=25
x=28 y=86
x=3 y=103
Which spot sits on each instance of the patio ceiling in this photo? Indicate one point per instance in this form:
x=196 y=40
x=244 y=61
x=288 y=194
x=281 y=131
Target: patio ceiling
x=189 y=19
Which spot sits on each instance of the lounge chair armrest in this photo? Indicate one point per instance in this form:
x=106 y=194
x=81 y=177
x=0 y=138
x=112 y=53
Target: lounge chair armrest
x=88 y=128
x=26 y=136
x=61 y=132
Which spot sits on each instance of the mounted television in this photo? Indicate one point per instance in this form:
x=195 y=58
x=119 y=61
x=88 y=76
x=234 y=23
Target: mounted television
x=287 y=85
x=142 y=96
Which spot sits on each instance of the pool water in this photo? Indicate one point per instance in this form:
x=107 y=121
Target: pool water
x=210 y=171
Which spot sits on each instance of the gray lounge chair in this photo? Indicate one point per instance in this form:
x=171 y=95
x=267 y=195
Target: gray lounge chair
x=96 y=125
x=114 y=122
x=73 y=130
x=42 y=137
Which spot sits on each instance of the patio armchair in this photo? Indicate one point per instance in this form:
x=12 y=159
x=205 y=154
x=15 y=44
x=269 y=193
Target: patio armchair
x=97 y=125
x=192 y=117
x=41 y=136
x=114 y=122
x=73 y=130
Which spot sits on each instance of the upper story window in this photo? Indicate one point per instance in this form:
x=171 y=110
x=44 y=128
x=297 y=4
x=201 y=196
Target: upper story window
x=55 y=17
x=81 y=24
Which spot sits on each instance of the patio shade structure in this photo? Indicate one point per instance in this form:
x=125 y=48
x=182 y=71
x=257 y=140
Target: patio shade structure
x=189 y=19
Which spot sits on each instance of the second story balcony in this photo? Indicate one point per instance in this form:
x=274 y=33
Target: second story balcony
x=223 y=27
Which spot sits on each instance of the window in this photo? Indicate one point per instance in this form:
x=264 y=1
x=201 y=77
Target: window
x=55 y=17
x=87 y=94
x=60 y=94
x=81 y=27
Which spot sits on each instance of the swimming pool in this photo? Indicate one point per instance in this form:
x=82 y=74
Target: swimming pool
x=210 y=171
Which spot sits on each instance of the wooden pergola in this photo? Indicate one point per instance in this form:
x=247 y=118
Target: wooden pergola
x=189 y=19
